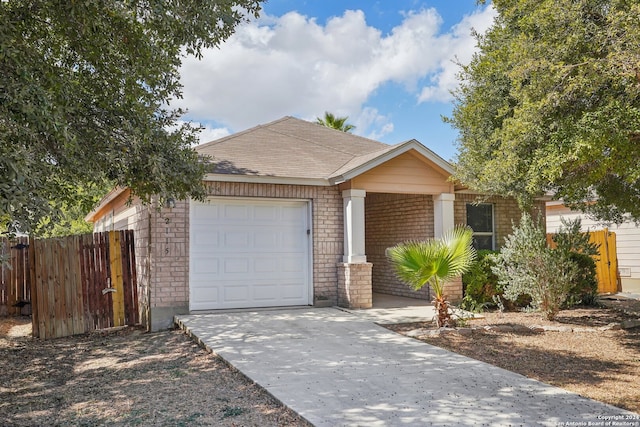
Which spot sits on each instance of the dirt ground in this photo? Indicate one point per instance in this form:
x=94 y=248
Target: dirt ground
x=600 y=364
x=125 y=378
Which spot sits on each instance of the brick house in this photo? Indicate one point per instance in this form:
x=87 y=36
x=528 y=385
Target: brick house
x=296 y=214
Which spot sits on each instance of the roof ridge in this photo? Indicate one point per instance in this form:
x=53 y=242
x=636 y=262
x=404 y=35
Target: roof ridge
x=242 y=132
x=382 y=144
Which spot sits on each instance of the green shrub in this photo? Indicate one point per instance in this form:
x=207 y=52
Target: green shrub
x=526 y=266
x=585 y=286
x=480 y=284
x=576 y=245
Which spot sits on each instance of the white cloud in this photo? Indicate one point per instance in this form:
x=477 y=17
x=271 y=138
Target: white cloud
x=291 y=65
x=208 y=133
x=461 y=45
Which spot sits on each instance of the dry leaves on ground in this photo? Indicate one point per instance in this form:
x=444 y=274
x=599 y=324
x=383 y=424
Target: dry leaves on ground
x=602 y=365
x=125 y=378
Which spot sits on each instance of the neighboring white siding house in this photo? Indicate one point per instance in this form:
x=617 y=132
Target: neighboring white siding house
x=627 y=242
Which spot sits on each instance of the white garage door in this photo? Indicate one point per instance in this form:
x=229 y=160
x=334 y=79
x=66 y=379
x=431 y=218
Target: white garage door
x=247 y=253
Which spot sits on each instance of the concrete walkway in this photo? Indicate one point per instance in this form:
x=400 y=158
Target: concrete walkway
x=338 y=368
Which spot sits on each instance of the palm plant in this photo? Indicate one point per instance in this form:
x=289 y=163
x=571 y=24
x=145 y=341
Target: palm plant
x=433 y=262
x=338 y=123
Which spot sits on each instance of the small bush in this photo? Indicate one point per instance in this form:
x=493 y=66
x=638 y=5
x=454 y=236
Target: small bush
x=480 y=284
x=585 y=286
x=576 y=245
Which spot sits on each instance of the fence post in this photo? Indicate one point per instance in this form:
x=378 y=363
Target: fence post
x=115 y=259
x=35 y=313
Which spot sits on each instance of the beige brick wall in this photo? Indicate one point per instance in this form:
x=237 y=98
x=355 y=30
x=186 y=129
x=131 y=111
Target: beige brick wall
x=506 y=213
x=169 y=243
x=391 y=219
x=354 y=285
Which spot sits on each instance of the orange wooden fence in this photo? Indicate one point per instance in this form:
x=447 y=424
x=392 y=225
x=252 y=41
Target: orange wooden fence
x=606 y=261
x=77 y=283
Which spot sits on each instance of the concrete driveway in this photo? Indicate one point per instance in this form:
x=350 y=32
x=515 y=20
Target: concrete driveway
x=338 y=368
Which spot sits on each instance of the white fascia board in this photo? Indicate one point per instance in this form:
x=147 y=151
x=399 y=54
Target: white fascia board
x=398 y=150
x=261 y=179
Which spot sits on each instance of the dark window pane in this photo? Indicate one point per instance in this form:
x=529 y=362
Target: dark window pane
x=483 y=242
x=480 y=218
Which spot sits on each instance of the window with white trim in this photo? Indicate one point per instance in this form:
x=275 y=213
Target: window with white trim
x=480 y=219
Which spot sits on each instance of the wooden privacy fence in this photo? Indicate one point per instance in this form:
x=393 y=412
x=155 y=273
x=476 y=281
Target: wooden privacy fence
x=606 y=261
x=15 y=289
x=78 y=283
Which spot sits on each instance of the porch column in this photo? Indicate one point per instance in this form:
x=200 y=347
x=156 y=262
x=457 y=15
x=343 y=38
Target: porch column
x=353 y=206
x=443 y=213
x=443 y=221
x=354 y=272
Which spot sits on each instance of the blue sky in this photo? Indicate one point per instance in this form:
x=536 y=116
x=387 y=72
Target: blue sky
x=388 y=65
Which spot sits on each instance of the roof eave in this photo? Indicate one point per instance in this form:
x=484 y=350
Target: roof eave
x=267 y=179
x=110 y=196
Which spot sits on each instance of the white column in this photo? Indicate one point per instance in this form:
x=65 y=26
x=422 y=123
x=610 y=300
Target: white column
x=353 y=208
x=443 y=213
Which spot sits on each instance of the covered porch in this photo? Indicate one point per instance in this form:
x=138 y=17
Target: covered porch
x=402 y=196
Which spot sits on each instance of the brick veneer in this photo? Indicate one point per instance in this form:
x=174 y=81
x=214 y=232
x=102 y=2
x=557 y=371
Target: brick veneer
x=506 y=212
x=391 y=219
x=162 y=244
x=354 y=285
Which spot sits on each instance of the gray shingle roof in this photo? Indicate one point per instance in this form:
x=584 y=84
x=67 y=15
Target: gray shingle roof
x=287 y=147
x=292 y=148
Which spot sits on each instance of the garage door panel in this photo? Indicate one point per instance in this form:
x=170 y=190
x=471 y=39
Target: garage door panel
x=205 y=213
x=238 y=293
x=289 y=214
x=204 y=269
x=265 y=265
x=204 y=297
x=255 y=254
x=235 y=213
x=205 y=240
x=292 y=264
x=290 y=291
x=237 y=266
x=265 y=239
x=267 y=214
x=237 y=239
x=265 y=292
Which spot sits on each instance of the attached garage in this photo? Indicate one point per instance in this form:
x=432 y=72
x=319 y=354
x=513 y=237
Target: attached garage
x=247 y=253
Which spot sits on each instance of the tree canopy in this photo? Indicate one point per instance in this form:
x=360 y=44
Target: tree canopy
x=85 y=93
x=332 y=121
x=551 y=104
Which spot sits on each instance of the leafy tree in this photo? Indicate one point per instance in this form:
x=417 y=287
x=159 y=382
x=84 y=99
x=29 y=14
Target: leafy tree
x=333 y=122
x=85 y=93
x=433 y=262
x=67 y=218
x=551 y=103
